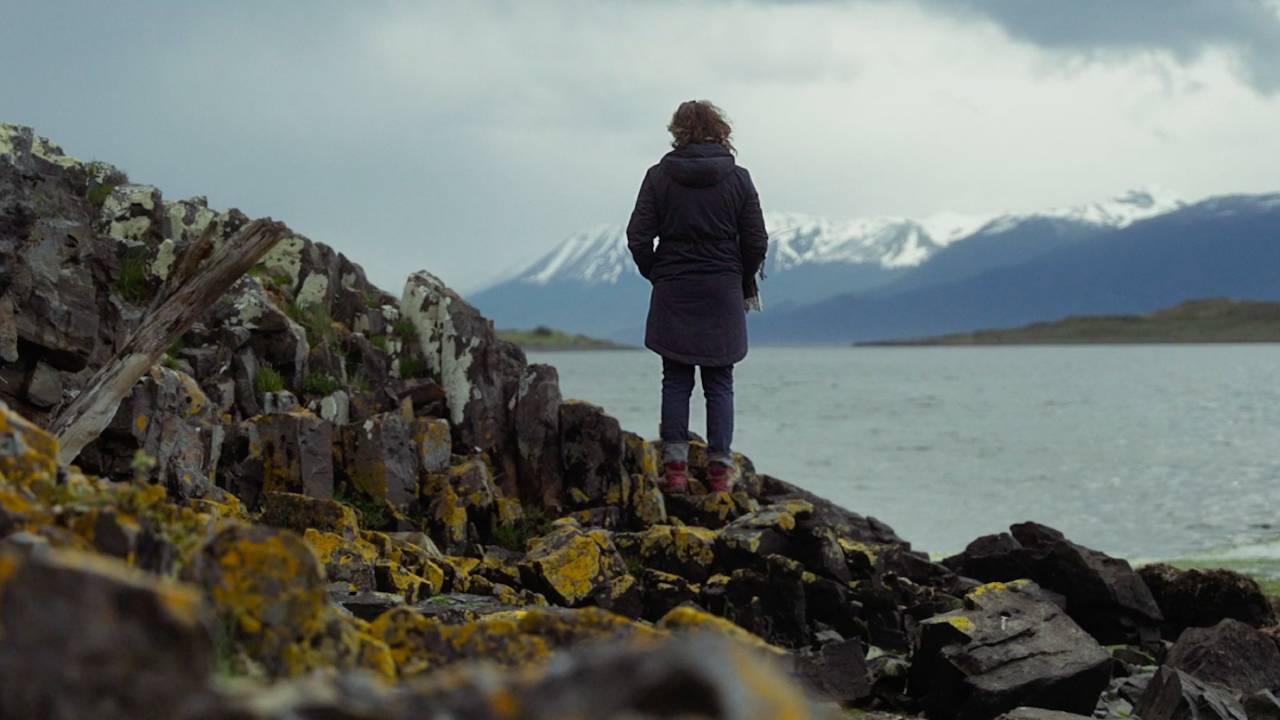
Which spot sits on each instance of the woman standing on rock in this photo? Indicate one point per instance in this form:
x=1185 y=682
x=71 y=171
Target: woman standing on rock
x=704 y=210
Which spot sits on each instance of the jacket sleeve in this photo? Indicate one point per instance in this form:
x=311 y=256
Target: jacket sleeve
x=643 y=228
x=753 y=239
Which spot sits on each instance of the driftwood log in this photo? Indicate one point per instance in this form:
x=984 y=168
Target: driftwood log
x=202 y=275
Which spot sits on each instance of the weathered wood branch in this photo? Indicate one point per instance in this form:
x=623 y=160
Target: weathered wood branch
x=200 y=279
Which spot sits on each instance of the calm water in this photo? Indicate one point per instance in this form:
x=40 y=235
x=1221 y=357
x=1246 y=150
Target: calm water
x=1142 y=451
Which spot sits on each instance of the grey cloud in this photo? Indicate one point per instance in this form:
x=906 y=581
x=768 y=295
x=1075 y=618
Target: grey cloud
x=1186 y=28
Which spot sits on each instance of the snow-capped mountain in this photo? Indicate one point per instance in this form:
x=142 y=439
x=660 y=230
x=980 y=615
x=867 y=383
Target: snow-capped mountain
x=599 y=254
x=589 y=284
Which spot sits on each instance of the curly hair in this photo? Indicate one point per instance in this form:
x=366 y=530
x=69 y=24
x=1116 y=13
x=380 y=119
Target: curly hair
x=699 y=121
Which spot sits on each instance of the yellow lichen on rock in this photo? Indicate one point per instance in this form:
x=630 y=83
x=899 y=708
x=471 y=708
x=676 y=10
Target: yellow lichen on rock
x=686 y=618
x=28 y=455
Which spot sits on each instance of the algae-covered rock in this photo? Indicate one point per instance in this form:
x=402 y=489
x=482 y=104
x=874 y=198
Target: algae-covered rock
x=168 y=417
x=83 y=636
x=379 y=458
x=697 y=677
x=687 y=551
x=461 y=505
x=569 y=565
x=284 y=452
x=516 y=638
x=268 y=587
x=300 y=513
x=28 y=455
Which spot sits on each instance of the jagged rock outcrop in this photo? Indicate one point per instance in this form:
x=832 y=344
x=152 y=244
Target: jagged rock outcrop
x=1103 y=594
x=374 y=507
x=1009 y=646
x=1201 y=598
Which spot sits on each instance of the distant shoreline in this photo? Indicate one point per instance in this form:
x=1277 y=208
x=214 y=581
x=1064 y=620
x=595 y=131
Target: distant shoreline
x=1196 y=322
x=544 y=339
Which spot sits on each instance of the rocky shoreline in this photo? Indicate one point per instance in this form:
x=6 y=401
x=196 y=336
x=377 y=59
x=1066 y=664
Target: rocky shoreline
x=330 y=502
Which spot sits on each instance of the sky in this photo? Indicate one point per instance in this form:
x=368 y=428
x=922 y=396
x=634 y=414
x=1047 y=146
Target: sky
x=469 y=138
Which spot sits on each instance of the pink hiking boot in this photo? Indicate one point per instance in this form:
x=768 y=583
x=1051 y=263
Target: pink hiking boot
x=675 y=478
x=721 y=477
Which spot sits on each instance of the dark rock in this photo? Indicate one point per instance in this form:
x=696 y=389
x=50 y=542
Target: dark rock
x=295 y=450
x=1010 y=647
x=703 y=677
x=1032 y=713
x=432 y=439
x=1175 y=695
x=44 y=386
x=1103 y=594
x=537 y=422
x=1231 y=654
x=168 y=417
x=368 y=605
x=769 y=602
x=1200 y=598
x=685 y=551
x=378 y=458
x=479 y=373
x=592 y=453
x=837 y=671
x=298 y=512
x=1262 y=705
x=86 y=636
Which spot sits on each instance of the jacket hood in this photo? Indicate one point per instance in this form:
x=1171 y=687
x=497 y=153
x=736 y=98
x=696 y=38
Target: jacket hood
x=698 y=164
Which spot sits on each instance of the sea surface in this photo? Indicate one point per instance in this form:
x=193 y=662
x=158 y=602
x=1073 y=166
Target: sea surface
x=1145 y=452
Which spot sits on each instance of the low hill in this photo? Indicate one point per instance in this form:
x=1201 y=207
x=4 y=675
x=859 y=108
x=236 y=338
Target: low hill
x=545 y=339
x=1195 y=321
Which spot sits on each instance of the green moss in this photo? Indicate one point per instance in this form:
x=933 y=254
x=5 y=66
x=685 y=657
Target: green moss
x=320 y=384
x=170 y=362
x=99 y=192
x=373 y=513
x=413 y=367
x=372 y=300
x=379 y=341
x=315 y=319
x=404 y=329
x=132 y=283
x=516 y=536
x=267 y=380
x=359 y=381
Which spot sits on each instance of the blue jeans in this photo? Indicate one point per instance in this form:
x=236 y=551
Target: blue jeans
x=677 y=386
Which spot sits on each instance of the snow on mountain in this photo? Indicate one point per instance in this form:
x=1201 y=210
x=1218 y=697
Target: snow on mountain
x=599 y=255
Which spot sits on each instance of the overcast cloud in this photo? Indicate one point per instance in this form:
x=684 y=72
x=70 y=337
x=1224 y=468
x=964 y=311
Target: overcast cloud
x=470 y=137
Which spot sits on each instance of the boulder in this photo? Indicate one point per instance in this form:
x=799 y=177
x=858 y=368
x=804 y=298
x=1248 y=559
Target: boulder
x=461 y=505
x=87 y=636
x=1010 y=646
x=1032 y=713
x=767 y=531
x=513 y=638
x=1200 y=598
x=537 y=423
x=168 y=417
x=701 y=676
x=1231 y=654
x=378 y=458
x=837 y=671
x=268 y=588
x=300 y=513
x=1175 y=695
x=569 y=565
x=1103 y=594
x=686 y=551
x=286 y=452
x=348 y=562
x=769 y=601
x=28 y=454
x=479 y=373
x=433 y=442
x=592 y=456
